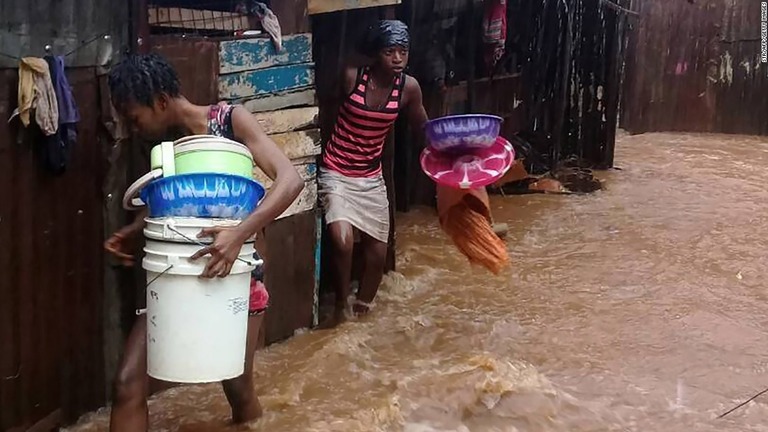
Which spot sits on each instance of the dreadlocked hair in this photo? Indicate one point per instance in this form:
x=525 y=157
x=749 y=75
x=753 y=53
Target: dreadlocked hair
x=141 y=78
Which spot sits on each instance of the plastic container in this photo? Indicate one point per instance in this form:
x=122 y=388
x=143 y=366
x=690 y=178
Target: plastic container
x=203 y=195
x=470 y=170
x=460 y=133
x=196 y=328
x=203 y=154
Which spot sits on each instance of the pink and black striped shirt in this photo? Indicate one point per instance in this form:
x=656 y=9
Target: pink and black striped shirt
x=357 y=142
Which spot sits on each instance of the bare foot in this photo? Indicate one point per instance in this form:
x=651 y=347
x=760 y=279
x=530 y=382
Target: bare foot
x=248 y=414
x=360 y=309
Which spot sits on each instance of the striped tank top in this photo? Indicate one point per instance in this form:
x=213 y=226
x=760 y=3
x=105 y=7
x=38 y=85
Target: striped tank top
x=357 y=142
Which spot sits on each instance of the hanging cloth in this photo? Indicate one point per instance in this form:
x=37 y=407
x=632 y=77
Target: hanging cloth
x=494 y=31
x=465 y=216
x=268 y=19
x=36 y=93
x=68 y=112
x=58 y=147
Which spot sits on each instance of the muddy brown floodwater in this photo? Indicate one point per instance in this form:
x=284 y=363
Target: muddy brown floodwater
x=642 y=307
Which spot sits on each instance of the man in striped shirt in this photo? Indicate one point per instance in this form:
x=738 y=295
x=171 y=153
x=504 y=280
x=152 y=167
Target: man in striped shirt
x=352 y=188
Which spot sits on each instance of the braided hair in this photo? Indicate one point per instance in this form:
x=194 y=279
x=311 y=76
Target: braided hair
x=140 y=78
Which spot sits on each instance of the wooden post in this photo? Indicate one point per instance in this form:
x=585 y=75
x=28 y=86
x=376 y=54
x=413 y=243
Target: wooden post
x=560 y=124
x=613 y=87
x=471 y=73
x=388 y=159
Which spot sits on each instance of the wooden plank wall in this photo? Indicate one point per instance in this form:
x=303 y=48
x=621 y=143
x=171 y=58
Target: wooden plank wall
x=326 y=6
x=695 y=67
x=279 y=88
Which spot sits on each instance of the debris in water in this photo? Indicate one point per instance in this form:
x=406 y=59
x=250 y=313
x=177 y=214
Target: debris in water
x=566 y=180
x=547 y=185
x=743 y=403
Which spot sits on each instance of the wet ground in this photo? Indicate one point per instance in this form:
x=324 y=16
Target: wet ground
x=641 y=307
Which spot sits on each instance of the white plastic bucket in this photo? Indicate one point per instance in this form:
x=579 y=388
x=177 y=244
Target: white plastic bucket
x=196 y=328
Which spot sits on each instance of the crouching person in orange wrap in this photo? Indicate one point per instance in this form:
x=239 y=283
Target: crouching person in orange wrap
x=465 y=216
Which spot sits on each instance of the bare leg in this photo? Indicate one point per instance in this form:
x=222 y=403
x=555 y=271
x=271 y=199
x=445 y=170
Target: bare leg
x=343 y=243
x=131 y=387
x=240 y=391
x=375 y=257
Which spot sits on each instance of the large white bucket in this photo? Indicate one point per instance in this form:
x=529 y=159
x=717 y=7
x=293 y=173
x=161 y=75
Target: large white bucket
x=196 y=328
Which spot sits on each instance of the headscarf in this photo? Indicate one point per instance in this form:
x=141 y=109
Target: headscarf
x=386 y=34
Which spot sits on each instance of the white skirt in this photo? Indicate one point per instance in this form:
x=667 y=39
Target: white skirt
x=361 y=201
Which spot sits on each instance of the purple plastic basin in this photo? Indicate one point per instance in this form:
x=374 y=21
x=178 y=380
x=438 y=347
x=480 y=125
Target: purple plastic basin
x=463 y=132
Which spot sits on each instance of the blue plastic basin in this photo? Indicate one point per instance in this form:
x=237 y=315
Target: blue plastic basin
x=203 y=195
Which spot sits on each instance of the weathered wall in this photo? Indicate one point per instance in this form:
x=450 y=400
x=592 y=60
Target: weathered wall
x=326 y=6
x=52 y=333
x=570 y=70
x=51 y=269
x=695 y=67
x=279 y=88
x=27 y=26
x=196 y=60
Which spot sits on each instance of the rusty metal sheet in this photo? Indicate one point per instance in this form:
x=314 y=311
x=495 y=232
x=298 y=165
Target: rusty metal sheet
x=51 y=269
x=696 y=67
x=293 y=16
x=289 y=271
x=196 y=61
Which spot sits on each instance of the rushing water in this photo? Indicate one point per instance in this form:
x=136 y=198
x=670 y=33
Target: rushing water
x=638 y=308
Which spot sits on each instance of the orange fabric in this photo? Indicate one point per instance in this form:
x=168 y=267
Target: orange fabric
x=466 y=217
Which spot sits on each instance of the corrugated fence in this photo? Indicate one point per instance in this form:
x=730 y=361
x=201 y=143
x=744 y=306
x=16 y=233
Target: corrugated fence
x=51 y=269
x=696 y=67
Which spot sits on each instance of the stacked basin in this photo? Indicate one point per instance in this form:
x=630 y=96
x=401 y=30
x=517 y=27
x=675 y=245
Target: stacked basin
x=196 y=328
x=466 y=151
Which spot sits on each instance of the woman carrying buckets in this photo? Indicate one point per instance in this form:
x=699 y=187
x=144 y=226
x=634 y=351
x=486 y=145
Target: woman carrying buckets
x=145 y=91
x=352 y=188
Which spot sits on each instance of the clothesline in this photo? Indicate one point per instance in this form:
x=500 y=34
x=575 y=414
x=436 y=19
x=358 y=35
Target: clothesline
x=76 y=49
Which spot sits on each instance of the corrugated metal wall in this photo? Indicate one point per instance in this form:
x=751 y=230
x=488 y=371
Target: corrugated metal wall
x=27 y=26
x=51 y=269
x=51 y=227
x=695 y=67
